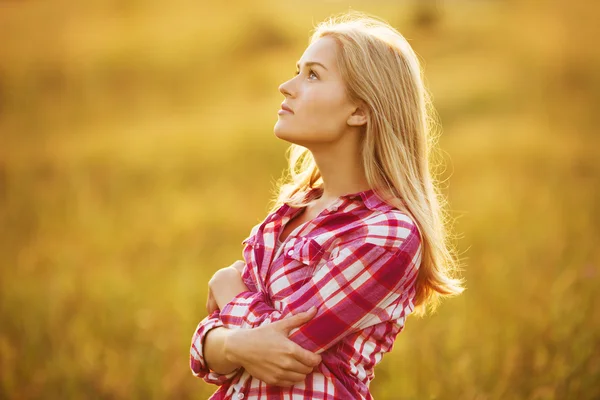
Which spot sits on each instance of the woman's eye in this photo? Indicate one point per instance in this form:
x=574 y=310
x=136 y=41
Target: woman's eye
x=310 y=72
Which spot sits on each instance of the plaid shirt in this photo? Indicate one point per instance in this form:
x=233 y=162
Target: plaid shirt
x=357 y=261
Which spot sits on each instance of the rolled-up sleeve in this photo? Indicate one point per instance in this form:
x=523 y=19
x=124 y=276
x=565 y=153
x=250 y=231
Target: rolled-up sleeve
x=351 y=292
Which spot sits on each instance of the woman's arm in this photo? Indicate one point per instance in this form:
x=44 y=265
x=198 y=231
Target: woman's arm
x=364 y=285
x=223 y=286
x=216 y=353
x=266 y=353
x=198 y=362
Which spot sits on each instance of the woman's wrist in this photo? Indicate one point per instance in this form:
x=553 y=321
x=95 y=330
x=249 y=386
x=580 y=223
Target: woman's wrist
x=229 y=347
x=216 y=356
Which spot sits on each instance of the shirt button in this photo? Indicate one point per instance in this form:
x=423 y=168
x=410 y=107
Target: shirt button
x=290 y=252
x=240 y=395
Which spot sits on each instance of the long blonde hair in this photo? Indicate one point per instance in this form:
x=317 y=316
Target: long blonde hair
x=382 y=71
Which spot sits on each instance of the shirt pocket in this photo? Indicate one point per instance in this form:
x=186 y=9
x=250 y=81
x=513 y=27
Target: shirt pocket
x=299 y=260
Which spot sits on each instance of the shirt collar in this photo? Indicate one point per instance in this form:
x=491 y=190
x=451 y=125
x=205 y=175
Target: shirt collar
x=368 y=197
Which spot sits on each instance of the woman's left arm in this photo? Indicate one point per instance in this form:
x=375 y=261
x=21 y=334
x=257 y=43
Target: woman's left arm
x=227 y=283
x=352 y=291
x=198 y=363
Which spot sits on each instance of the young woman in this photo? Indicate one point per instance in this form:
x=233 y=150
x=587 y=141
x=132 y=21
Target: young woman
x=356 y=240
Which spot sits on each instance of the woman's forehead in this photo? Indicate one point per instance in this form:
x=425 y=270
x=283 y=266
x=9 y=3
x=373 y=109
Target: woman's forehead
x=323 y=51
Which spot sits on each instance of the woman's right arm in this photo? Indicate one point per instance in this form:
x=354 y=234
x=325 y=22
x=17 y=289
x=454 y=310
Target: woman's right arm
x=265 y=352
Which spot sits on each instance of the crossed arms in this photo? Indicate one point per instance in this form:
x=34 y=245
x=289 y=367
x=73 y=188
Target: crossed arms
x=351 y=292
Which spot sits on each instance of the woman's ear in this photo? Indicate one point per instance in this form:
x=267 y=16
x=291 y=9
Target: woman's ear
x=358 y=117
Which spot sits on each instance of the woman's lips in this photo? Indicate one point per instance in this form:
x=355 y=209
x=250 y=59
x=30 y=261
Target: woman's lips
x=285 y=109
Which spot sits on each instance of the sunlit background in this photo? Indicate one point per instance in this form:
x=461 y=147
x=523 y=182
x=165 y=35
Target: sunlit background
x=137 y=151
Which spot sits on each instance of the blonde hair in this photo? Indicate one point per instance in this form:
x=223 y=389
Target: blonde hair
x=382 y=71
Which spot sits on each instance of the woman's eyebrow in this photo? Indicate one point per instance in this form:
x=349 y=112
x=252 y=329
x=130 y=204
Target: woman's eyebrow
x=309 y=63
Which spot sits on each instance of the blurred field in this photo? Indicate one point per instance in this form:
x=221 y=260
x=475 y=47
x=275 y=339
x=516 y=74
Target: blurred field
x=136 y=152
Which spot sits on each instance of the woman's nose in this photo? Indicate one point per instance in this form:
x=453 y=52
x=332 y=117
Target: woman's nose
x=285 y=88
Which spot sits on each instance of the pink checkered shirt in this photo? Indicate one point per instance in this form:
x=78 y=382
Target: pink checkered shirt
x=357 y=261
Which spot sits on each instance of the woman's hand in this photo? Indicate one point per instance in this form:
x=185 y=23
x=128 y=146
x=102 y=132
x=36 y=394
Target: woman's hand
x=267 y=354
x=211 y=303
x=239 y=266
x=225 y=284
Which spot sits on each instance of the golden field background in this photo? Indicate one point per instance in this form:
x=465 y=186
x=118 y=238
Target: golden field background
x=136 y=152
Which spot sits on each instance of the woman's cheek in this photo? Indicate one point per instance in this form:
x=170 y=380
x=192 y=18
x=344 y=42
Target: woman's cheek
x=315 y=108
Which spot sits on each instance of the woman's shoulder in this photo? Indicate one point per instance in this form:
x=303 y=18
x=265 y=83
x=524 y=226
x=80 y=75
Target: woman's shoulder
x=390 y=228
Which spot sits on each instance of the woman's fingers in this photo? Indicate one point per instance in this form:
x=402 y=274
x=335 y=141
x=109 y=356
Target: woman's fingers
x=291 y=380
x=269 y=355
x=306 y=357
x=239 y=266
x=298 y=367
x=211 y=307
x=294 y=376
x=295 y=321
x=211 y=304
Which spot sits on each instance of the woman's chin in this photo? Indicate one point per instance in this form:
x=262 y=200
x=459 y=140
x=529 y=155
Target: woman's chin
x=286 y=136
x=280 y=131
x=281 y=135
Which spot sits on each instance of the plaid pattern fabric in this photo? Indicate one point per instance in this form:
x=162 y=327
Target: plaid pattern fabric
x=357 y=262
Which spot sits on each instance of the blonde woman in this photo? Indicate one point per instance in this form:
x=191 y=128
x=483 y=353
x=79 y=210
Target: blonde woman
x=356 y=240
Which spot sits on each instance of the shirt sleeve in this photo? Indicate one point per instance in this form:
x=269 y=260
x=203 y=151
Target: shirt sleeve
x=351 y=292
x=197 y=363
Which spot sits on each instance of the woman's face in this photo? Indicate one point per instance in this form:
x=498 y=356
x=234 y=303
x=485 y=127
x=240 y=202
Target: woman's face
x=320 y=107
